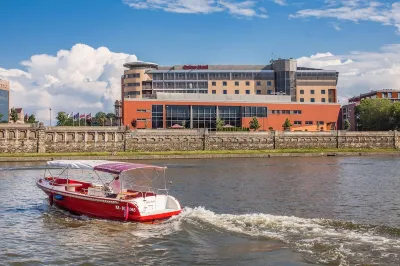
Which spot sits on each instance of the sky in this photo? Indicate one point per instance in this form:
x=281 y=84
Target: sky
x=68 y=55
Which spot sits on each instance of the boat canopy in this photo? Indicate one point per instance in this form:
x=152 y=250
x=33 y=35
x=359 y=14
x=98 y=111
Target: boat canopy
x=102 y=165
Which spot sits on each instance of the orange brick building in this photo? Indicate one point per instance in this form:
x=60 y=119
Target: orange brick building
x=202 y=111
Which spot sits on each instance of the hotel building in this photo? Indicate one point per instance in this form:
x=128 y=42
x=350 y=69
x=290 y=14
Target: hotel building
x=196 y=96
x=4 y=99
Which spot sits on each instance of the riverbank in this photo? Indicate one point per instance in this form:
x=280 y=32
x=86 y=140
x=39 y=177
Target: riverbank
x=196 y=154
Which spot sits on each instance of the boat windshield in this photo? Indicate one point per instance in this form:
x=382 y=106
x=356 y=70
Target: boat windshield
x=144 y=180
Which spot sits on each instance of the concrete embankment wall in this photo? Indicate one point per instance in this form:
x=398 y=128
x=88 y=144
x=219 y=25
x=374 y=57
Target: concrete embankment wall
x=39 y=139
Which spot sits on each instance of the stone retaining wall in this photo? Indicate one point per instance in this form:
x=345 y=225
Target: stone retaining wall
x=40 y=139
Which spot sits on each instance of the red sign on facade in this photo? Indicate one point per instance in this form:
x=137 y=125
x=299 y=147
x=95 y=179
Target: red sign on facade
x=187 y=67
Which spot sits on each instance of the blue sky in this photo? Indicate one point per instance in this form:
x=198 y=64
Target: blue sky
x=46 y=26
x=69 y=55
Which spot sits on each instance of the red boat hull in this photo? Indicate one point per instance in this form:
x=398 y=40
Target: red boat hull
x=103 y=208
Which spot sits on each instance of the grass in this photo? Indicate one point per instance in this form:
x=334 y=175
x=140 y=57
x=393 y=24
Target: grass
x=72 y=154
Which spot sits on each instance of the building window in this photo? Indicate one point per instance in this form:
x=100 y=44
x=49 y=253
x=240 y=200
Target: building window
x=204 y=117
x=230 y=115
x=214 y=83
x=321 y=123
x=224 y=83
x=135 y=75
x=322 y=91
x=309 y=123
x=141 y=110
x=323 y=100
x=236 y=83
x=247 y=91
x=297 y=112
x=269 y=83
x=131 y=93
x=254 y=111
x=236 y=91
x=297 y=122
x=157 y=116
x=224 y=92
x=136 y=84
x=312 y=92
x=214 y=92
x=258 y=83
x=301 y=91
x=313 y=100
x=247 y=83
x=286 y=112
x=178 y=116
x=302 y=100
x=389 y=95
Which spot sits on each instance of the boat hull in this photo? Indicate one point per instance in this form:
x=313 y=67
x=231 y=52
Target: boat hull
x=103 y=208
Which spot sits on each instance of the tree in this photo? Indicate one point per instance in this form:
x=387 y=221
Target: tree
x=101 y=118
x=346 y=124
x=134 y=123
x=111 y=117
x=271 y=129
x=287 y=124
x=1 y=117
x=31 y=119
x=14 y=115
x=62 y=119
x=377 y=114
x=220 y=124
x=254 y=124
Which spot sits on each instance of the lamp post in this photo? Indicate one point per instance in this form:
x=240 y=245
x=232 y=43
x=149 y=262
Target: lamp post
x=50 y=115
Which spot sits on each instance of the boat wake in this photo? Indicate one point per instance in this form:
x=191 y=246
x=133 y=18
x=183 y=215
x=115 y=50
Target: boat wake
x=320 y=241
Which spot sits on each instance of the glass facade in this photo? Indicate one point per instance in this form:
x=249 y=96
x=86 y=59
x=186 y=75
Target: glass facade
x=254 y=111
x=286 y=82
x=157 y=116
x=230 y=115
x=178 y=116
x=4 y=108
x=204 y=117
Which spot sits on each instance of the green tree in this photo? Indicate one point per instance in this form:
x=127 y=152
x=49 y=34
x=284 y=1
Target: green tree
x=14 y=115
x=62 y=119
x=287 y=124
x=254 y=124
x=271 y=129
x=32 y=119
x=346 y=124
x=220 y=124
x=111 y=117
x=1 y=117
x=101 y=118
x=376 y=115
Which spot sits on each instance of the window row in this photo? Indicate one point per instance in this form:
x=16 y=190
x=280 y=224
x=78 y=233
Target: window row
x=323 y=100
x=309 y=123
x=131 y=93
x=237 y=83
x=315 y=74
x=313 y=91
x=134 y=75
x=180 y=85
x=135 y=84
x=287 y=112
x=214 y=76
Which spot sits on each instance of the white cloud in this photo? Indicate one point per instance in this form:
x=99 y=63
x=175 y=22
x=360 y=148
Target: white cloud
x=356 y=11
x=360 y=72
x=336 y=26
x=237 y=8
x=280 y=2
x=82 y=79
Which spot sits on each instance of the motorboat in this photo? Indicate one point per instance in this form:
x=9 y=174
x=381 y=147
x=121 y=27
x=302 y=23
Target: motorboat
x=109 y=190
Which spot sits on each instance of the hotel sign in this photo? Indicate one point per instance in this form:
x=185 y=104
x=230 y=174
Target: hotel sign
x=190 y=67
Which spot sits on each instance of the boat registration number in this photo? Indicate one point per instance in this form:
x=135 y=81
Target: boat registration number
x=123 y=208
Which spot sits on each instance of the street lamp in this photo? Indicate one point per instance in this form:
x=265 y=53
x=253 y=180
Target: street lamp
x=50 y=116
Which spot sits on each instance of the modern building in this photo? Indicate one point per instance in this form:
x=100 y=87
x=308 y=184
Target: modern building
x=4 y=99
x=197 y=96
x=393 y=95
x=174 y=110
x=348 y=112
x=281 y=77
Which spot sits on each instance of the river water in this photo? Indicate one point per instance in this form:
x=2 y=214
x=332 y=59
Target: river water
x=272 y=211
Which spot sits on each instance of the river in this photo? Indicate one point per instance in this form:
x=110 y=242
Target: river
x=270 y=211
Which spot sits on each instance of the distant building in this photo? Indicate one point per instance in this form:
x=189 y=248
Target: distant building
x=347 y=112
x=4 y=99
x=21 y=117
x=393 y=95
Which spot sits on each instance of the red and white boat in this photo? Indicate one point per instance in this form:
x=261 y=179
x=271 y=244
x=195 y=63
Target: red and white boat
x=132 y=194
